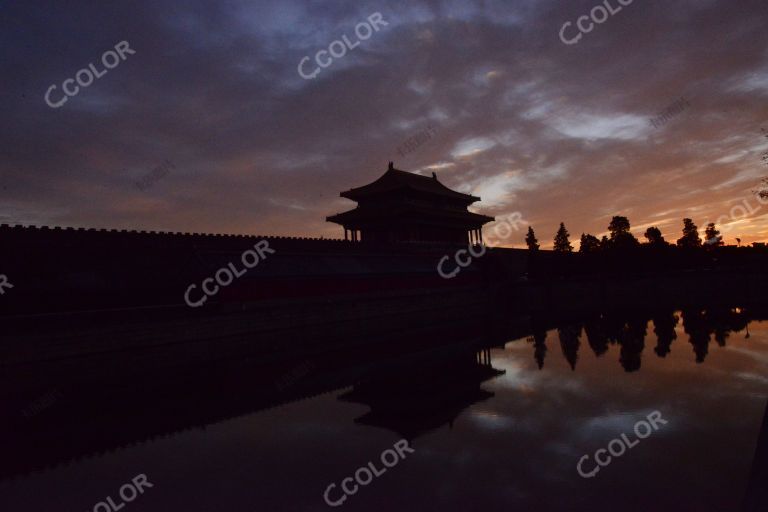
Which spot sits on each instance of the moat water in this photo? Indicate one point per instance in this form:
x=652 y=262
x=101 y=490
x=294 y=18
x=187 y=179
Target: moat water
x=500 y=427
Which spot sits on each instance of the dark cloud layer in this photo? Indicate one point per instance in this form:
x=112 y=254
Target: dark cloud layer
x=554 y=131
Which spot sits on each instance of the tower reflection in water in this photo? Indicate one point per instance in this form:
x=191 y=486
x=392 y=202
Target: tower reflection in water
x=415 y=399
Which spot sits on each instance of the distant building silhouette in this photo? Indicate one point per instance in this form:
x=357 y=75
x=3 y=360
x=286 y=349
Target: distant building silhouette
x=405 y=207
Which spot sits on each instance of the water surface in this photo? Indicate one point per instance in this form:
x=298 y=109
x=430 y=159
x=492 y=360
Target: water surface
x=492 y=428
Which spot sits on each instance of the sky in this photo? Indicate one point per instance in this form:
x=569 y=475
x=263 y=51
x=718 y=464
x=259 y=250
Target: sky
x=205 y=123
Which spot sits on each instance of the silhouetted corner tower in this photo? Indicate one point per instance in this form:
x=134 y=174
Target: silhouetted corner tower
x=405 y=207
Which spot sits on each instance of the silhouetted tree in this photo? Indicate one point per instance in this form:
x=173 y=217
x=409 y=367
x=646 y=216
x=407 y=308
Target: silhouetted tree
x=619 y=226
x=604 y=242
x=614 y=326
x=664 y=327
x=596 y=337
x=690 y=236
x=694 y=325
x=621 y=237
x=589 y=243
x=712 y=236
x=654 y=237
x=569 y=343
x=562 y=244
x=738 y=241
x=530 y=240
x=723 y=320
x=719 y=320
x=632 y=343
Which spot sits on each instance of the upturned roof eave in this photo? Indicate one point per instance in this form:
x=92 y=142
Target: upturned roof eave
x=357 y=215
x=356 y=194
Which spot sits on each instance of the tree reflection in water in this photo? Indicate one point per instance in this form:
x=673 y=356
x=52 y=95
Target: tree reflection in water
x=628 y=330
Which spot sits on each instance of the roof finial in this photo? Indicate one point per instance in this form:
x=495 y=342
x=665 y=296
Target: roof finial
x=434 y=175
x=391 y=165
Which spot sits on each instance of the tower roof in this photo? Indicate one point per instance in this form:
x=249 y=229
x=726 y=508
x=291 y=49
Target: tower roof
x=395 y=179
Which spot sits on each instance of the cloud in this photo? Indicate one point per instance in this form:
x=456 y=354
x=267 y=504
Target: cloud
x=556 y=132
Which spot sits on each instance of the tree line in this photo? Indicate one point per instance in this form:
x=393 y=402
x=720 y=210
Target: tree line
x=620 y=237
